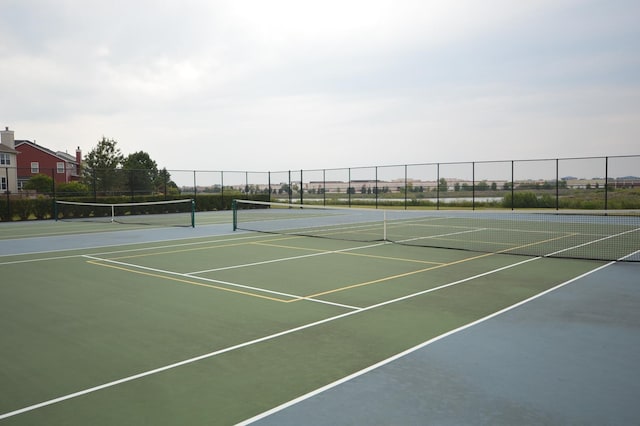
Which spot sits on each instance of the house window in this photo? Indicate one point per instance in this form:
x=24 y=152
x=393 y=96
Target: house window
x=60 y=166
x=5 y=159
x=3 y=184
x=35 y=167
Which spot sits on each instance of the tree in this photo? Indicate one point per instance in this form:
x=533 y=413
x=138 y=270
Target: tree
x=482 y=186
x=102 y=164
x=141 y=172
x=72 y=189
x=284 y=189
x=164 y=184
x=41 y=183
x=442 y=185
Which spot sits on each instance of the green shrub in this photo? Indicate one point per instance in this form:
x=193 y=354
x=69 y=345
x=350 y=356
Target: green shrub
x=72 y=189
x=520 y=200
x=23 y=207
x=4 y=213
x=42 y=207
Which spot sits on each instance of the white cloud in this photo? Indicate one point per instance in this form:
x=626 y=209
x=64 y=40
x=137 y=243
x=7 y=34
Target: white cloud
x=289 y=84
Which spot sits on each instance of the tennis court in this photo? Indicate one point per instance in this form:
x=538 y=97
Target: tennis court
x=377 y=322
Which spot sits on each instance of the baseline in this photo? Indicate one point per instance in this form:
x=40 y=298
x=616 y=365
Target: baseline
x=262 y=339
x=409 y=351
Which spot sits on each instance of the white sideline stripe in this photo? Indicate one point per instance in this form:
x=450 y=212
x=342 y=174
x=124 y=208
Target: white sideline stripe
x=115 y=245
x=410 y=350
x=284 y=259
x=211 y=280
x=444 y=235
x=193 y=243
x=13 y=262
x=630 y=255
x=162 y=271
x=326 y=302
x=595 y=241
x=251 y=342
x=264 y=262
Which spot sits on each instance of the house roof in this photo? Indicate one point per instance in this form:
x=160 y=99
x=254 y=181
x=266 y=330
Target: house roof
x=4 y=148
x=66 y=156
x=60 y=155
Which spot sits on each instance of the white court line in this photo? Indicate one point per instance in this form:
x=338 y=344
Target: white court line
x=228 y=283
x=214 y=241
x=251 y=342
x=162 y=271
x=410 y=350
x=595 y=241
x=194 y=243
x=284 y=259
x=328 y=252
x=443 y=235
x=115 y=244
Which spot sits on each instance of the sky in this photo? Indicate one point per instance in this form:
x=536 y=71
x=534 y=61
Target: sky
x=291 y=84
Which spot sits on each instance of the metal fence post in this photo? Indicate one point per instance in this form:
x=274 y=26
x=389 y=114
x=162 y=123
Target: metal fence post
x=606 y=183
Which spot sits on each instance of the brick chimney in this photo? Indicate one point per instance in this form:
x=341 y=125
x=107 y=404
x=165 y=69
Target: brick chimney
x=79 y=160
x=7 y=138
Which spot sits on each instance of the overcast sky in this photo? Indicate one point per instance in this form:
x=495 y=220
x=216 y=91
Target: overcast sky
x=294 y=84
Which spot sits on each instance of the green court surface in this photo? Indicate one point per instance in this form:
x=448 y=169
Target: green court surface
x=116 y=324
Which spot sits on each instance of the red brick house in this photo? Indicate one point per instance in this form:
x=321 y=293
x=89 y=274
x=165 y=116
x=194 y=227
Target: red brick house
x=34 y=159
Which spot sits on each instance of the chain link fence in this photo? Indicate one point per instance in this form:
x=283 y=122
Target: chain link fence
x=601 y=183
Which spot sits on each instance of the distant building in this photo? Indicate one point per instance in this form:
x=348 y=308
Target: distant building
x=35 y=159
x=8 y=162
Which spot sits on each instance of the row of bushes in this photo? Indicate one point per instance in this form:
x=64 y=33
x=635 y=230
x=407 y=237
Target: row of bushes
x=44 y=207
x=621 y=199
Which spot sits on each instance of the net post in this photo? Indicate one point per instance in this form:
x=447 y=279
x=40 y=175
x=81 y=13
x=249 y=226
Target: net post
x=384 y=225
x=113 y=213
x=193 y=213
x=55 y=210
x=234 y=209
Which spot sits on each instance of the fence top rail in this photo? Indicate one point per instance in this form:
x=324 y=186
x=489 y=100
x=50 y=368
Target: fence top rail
x=442 y=163
x=603 y=157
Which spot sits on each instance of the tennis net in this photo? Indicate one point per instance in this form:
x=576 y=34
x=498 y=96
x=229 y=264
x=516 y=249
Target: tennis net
x=161 y=213
x=597 y=235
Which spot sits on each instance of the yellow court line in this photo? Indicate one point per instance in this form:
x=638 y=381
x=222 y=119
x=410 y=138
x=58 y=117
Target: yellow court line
x=441 y=265
x=392 y=277
x=423 y=270
x=538 y=242
x=400 y=259
x=194 y=249
x=245 y=293
x=262 y=243
x=350 y=253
